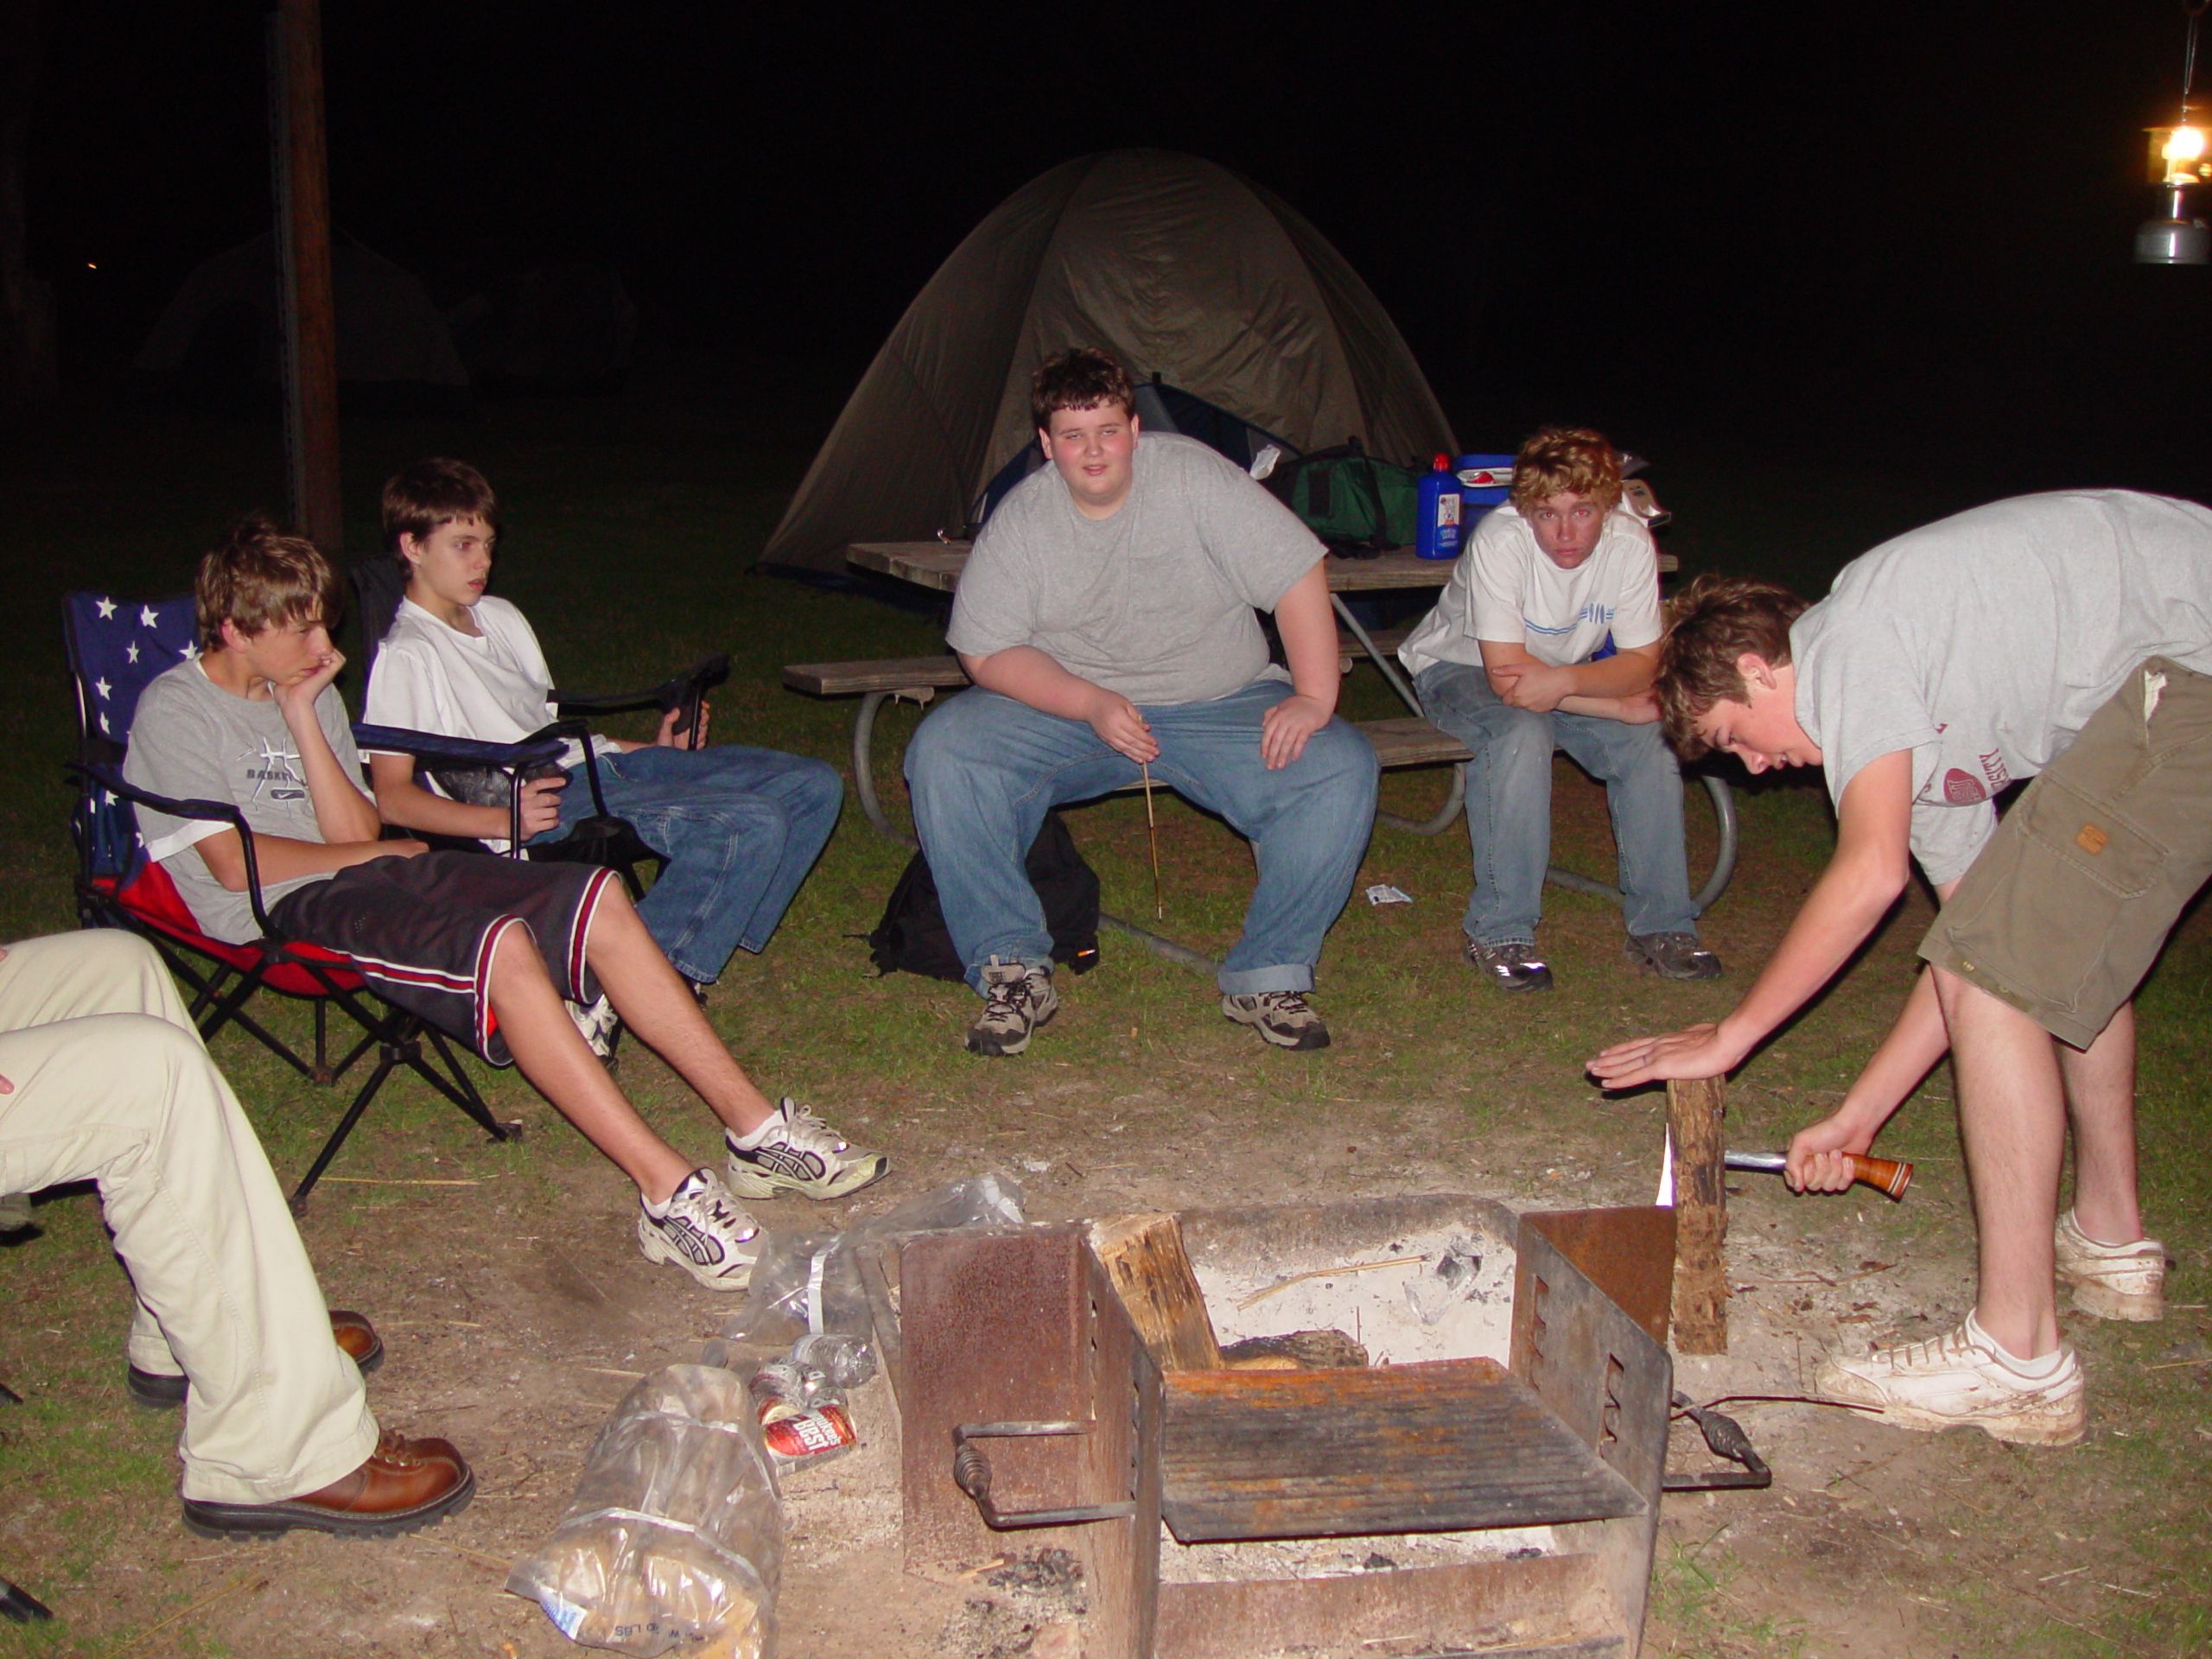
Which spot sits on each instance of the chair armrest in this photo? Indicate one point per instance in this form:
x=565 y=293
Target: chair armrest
x=682 y=692
x=541 y=748
x=110 y=780
x=457 y=751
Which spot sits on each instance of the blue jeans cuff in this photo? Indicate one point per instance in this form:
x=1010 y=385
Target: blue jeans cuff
x=1257 y=981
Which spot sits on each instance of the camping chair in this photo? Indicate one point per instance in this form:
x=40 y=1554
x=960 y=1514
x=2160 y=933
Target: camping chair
x=601 y=839
x=116 y=649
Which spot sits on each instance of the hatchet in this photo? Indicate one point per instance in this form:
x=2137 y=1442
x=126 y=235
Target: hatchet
x=1877 y=1172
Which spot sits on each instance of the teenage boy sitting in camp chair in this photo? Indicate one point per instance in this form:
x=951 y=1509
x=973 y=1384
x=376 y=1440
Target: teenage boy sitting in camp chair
x=740 y=828
x=2068 y=635
x=1107 y=619
x=485 y=947
x=1548 y=633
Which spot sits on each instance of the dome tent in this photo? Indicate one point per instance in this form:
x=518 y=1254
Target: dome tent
x=1179 y=269
x=221 y=333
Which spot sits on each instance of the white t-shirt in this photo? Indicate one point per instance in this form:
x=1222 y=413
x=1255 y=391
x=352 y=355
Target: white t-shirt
x=1506 y=589
x=431 y=677
x=1155 y=601
x=1984 y=642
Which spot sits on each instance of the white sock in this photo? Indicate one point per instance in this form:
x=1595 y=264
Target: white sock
x=751 y=1140
x=659 y=1212
x=2033 y=1370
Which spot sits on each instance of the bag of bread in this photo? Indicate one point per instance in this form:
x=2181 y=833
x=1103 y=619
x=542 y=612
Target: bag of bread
x=674 y=1540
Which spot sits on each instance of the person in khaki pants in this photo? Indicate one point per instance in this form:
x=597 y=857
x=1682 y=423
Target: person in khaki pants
x=2064 y=639
x=103 y=1077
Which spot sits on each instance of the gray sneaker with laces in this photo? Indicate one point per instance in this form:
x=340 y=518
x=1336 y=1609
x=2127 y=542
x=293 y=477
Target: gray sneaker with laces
x=800 y=1154
x=1673 y=955
x=1513 y=966
x=1282 y=1017
x=1017 y=1000
x=704 y=1231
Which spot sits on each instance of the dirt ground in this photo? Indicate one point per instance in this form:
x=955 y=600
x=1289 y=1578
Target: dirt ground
x=516 y=1312
x=514 y=1323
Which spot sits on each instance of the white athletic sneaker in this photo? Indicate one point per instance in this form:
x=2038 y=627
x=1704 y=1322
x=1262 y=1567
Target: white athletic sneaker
x=597 y=1024
x=1958 y=1380
x=801 y=1153
x=702 y=1230
x=2112 y=1282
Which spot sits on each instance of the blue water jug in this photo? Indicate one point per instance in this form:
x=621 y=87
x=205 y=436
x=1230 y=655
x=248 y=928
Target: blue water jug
x=1436 y=530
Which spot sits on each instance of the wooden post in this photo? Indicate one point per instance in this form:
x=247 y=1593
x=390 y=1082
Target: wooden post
x=303 y=189
x=1700 y=1309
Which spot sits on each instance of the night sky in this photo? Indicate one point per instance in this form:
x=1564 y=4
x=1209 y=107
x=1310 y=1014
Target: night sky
x=1894 y=235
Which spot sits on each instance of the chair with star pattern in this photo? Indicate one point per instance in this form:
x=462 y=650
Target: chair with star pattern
x=117 y=647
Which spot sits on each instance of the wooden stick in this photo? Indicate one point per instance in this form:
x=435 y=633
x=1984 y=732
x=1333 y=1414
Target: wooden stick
x=1326 y=1272
x=377 y=1180
x=1152 y=829
x=245 y=1580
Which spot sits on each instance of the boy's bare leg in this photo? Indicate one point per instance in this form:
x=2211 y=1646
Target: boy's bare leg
x=659 y=1008
x=554 y=1056
x=2012 y=1115
x=2101 y=1101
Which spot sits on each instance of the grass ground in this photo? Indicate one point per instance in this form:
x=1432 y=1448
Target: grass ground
x=631 y=528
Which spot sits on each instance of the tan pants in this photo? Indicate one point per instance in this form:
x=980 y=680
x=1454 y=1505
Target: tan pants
x=110 y=1083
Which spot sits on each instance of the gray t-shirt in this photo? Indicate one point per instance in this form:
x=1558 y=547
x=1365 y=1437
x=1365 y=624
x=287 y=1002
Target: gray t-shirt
x=191 y=740
x=1154 y=602
x=1982 y=643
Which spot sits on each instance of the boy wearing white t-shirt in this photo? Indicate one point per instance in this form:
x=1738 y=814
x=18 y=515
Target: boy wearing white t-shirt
x=1548 y=634
x=739 y=827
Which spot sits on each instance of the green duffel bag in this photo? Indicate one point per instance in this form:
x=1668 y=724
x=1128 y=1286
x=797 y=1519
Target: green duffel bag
x=1356 y=504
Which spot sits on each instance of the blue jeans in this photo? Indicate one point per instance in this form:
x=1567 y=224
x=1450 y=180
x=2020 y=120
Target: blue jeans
x=985 y=769
x=740 y=829
x=1510 y=806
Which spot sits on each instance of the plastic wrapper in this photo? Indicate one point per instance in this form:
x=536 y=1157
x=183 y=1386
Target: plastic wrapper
x=674 y=1540
x=810 y=1284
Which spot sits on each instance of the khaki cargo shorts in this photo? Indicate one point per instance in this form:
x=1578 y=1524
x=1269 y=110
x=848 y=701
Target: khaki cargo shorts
x=2071 y=900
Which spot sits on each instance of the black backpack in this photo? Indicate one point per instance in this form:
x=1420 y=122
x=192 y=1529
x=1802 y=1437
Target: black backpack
x=912 y=937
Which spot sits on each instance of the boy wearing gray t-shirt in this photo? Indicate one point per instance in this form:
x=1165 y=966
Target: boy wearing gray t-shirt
x=1107 y=619
x=2066 y=637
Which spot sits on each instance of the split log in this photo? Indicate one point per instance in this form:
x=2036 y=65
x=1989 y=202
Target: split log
x=1149 y=1270
x=1700 y=1305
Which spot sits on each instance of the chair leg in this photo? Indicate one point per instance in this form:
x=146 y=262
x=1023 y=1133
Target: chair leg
x=389 y=1056
x=403 y=1046
x=462 y=1091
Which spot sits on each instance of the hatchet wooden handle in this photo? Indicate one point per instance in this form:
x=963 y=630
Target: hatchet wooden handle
x=1880 y=1173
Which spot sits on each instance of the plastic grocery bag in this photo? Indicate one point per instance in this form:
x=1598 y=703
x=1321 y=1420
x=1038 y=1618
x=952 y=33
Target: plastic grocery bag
x=674 y=1540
